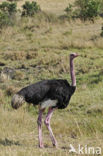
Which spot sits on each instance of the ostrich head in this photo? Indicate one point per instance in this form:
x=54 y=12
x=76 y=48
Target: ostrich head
x=73 y=55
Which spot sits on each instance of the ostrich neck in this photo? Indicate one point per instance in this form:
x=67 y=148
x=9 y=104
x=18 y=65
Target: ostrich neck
x=72 y=73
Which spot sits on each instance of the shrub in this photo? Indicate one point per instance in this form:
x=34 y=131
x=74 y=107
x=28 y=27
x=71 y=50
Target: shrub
x=88 y=9
x=8 y=8
x=69 y=10
x=29 y=9
x=7 y=13
x=84 y=9
x=4 y=20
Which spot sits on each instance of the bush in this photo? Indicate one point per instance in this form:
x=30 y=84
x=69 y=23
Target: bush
x=4 y=20
x=88 y=9
x=69 y=10
x=7 y=13
x=29 y=9
x=8 y=8
x=84 y=9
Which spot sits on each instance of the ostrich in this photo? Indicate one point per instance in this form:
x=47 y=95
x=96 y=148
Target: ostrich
x=52 y=94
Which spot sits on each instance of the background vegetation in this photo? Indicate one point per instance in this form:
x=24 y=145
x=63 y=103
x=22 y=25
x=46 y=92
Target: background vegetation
x=37 y=47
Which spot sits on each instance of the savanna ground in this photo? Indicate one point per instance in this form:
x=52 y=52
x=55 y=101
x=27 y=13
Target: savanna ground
x=38 y=48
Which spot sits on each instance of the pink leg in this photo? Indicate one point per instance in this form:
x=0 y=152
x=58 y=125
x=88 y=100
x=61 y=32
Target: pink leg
x=47 y=123
x=39 y=122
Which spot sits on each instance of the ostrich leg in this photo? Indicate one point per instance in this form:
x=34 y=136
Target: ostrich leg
x=39 y=122
x=47 y=123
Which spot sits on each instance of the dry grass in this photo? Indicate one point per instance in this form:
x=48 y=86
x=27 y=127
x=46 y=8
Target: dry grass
x=11 y=90
x=19 y=135
x=33 y=35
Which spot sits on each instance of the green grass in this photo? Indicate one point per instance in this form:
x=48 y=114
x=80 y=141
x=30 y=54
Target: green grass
x=38 y=48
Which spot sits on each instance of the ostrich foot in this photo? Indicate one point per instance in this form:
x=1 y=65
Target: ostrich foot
x=55 y=145
x=41 y=146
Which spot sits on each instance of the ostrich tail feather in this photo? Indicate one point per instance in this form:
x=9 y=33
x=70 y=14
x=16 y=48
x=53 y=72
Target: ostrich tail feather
x=17 y=101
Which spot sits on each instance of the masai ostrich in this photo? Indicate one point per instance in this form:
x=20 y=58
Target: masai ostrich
x=55 y=93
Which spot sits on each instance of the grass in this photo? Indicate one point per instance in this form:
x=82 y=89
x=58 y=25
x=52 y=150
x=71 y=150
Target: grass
x=38 y=48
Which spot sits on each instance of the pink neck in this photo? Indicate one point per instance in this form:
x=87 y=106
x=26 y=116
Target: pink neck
x=72 y=73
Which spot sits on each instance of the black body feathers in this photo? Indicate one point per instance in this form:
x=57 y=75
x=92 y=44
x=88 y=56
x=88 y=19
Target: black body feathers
x=59 y=90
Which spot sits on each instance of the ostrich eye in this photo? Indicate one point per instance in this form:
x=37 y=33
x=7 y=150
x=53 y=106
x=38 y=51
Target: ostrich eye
x=72 y=55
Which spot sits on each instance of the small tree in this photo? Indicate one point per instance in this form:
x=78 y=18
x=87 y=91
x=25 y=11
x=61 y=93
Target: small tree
x=29 y=9
x=8 y=8
x=7 y=13
x=69 y=10
x=85 y=9
x=88 y=9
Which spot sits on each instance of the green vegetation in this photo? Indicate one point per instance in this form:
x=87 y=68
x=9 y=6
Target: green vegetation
x=36 y=48
x=101 y=31
x=85 y=9
x=29 y=9
x=9 y=8
x=4 y=20
x=7 y=13
x=88 y=8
